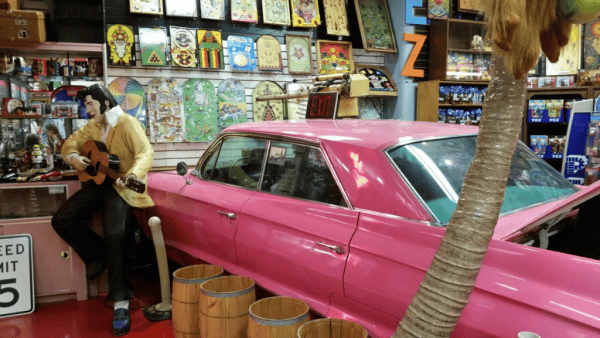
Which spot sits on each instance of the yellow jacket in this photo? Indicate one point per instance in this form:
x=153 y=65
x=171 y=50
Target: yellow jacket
x=128 y=141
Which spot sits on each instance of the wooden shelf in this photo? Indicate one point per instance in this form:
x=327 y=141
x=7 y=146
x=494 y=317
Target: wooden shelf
x=471 y=51
x=467 y=22
x=54 y=49
x=22 y=116
x=465 y=82
x=448 y=105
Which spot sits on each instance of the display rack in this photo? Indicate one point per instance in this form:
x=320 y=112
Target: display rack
x=428 y=93
x=560 y=128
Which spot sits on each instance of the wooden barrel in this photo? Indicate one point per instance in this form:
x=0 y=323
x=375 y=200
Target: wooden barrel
x=224 y=304
x=331 y=328
x=277 y=317
x=185 y=297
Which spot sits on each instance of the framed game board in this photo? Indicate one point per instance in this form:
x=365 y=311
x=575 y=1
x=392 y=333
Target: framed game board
x=269 y=53
x=244 y=11
x=296 y=108
x=381 y=82
x=591 y=47
x=438 y=9
x=232 y=103
x=272 y=110
x=336 y=17
x=242 y=55
x=153 y=43
x=153 y=7
x=375 y=26
x=276 y=12
x=299 y=54
x=166 y=118
x=471 y=5
x=305 y=13
x=212 y=9
x=201 y=109
x=334 y=57
x=121 y=43
x=185 y=8
x=130 y=95
x=210 y=51
x=570 y=56
x=183 y=46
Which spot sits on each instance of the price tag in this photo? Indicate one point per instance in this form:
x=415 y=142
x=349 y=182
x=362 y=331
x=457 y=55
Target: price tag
x=16 y=276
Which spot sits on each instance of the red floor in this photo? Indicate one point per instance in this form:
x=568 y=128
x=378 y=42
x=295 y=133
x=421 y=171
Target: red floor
x=87 y=319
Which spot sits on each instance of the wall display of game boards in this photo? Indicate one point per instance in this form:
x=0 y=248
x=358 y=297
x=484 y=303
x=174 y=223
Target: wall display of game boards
x=269 y=53
x=183 y=46
x=232 y=103
x=153 y=7
x=165 y=111
x=305 y=13
x=276 y=12
x=591 y=43
x=185 y=8
x=375 y=26
x=201 y=110
x=210 y=51
x=336 y=17
x=121 y=43
x=153 y=43
x=272 y=110
x=242 y=55
x=244 y=11
x=334 y=57
x=212 y=9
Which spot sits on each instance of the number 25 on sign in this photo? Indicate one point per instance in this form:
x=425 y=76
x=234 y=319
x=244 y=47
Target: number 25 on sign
x=16 y=276
x=409 y=69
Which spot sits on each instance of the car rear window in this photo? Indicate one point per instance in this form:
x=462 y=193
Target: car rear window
x=436 y=170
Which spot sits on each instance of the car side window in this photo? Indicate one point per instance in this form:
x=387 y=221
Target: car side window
x=302 y=172
x=239 y=162
x=207 y=168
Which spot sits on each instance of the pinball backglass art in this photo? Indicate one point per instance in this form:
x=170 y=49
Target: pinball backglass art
x=375 y=26
x=153 y=7
x=276 y=12
x=305 y=13
x=165 y=110
x=212 y=9
x=334 y=57
x=121 y=43
x=183 y=47
x=272 y=110
x=153 y=45
x=381 y=82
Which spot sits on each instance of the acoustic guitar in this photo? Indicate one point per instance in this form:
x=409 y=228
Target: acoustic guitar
x=104 y=164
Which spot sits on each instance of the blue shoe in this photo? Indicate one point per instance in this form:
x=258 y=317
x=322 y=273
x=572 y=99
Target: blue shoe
x=121 y=322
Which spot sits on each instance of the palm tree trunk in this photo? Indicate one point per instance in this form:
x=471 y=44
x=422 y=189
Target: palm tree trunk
x=450 y=279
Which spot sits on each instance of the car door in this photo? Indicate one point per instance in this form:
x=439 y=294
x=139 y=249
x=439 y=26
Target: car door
x=294 y=233
x=210 y=206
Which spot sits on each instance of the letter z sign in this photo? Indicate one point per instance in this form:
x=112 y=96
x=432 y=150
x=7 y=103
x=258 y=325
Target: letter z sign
x=16 y=276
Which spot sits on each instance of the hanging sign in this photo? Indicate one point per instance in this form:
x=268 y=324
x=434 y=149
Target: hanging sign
x=16 y=276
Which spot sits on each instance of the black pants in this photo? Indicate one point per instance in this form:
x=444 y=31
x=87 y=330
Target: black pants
x=71 y=223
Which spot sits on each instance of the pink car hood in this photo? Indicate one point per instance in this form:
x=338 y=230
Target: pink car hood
x=515 y=225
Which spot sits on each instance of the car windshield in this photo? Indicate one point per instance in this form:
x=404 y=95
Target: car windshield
x=436 y=170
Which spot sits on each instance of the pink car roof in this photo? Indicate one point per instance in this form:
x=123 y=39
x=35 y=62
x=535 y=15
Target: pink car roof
x=370 y=134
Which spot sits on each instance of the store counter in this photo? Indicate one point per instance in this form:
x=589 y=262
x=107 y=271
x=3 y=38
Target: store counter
x=27 y=208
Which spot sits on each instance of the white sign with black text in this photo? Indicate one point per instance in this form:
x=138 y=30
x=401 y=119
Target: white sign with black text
x=16 y=276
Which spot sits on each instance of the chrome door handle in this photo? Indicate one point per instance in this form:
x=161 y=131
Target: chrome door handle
x=229 y=215
x=337 y=249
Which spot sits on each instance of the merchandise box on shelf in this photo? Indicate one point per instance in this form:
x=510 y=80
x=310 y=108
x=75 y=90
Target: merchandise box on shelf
x=20 y=27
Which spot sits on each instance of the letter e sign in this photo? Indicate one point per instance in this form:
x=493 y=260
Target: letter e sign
x=409 y=69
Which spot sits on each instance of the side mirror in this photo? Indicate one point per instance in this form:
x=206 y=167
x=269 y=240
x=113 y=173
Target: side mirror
x=182 y=168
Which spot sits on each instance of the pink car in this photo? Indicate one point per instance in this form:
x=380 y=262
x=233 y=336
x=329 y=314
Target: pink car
x=347 y=216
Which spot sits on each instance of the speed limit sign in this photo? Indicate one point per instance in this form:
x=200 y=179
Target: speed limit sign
x=16 y=276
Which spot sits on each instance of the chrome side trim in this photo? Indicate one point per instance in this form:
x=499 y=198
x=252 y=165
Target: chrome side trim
x=413 y=220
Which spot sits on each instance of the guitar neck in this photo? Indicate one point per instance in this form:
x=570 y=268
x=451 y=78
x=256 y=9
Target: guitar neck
x=110 y=173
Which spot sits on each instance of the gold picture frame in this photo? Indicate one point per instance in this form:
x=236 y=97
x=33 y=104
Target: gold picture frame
x=305 y=13
x=379 y=84
x=375 y=24
x=334 y=57
x=299 y=52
